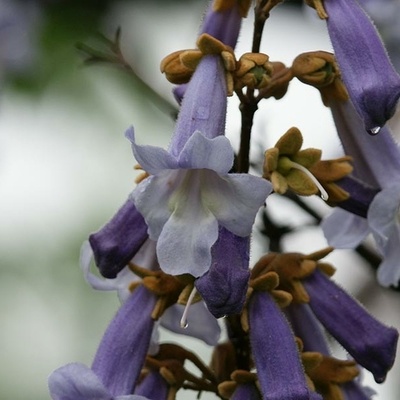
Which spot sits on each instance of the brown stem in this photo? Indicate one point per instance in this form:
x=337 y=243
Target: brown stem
x=248 y=110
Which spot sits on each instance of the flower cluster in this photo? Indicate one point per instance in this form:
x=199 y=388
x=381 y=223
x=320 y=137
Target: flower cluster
x=178 y=250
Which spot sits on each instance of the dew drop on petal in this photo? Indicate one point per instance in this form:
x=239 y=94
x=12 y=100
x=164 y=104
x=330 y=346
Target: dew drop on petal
x=374 y=131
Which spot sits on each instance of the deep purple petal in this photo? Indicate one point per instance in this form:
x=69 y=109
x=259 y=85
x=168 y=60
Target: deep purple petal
x=204 y=104
x=121 y=353
x=76 y=382
x=360 y=198
x=153 y=386
x=369 y=342
x=224 y=286
x=275 y=352
x=116 y=243
x=307 y=328
x=246 y=391
x=372 y=82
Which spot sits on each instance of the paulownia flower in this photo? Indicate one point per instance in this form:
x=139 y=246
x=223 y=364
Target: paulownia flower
x=369 y=76
x=376 y=161
x=188 y=196
x=119 y=358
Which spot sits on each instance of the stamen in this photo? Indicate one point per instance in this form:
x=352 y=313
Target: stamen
x=184 y=324
x=324 y=194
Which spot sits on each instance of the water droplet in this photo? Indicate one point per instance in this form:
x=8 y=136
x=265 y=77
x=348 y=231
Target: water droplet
x=324 y=196
x=185 y=325
x=374 y=131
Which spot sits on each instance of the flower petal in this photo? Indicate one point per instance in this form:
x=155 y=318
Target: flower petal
x=76 y=382
x=201 y=152
x=275 y=351
x=184 y=245
x=369 y=342
x=344 y=230
x=372 y=82
x=204 y=104
x=152 y=159
x=200 y=323
x=121 y=353
x=151 y=197
x=235 y=199
x=383 y=213
x=153 y=386
x=389 y=269
x=224 y=286
x=116 y=243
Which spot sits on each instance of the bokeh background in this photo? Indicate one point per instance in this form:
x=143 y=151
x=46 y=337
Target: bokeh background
x=65 y=166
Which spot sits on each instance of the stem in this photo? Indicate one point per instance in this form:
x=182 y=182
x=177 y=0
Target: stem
x=247 y=110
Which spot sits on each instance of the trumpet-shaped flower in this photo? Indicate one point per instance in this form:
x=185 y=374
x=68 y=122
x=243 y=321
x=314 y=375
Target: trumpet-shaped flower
x=119 y=358
x=200 y=323
x=372 y=82
x=188 y=196
x=376 y=161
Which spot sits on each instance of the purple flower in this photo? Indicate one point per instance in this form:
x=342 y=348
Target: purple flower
x=369 y=342
x=119 y=358
x=275 y=351
x=201 y=324
x=224 y=286
x=117 y=242
x=372 y=82
x=190 y=191
x=376 y=161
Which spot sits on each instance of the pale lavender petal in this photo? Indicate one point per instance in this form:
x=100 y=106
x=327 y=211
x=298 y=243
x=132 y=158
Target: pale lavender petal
x=369 y=342
x=204 y=104
x=275 y=351
x=369 y=165
x=224 y=286
x=152 y=196
x=383 y=213
x=372 y=82
x=200 y=323
x=201 y=152
x=179 y=92
x=389 y=268
x=223 y=25
x=354 y=391
x=117 y=242
x=122 y=351
x=152 y=159
x=76 y=382
x=184 y=245
x=153 y=387
x=235 y=199
x=344 y=230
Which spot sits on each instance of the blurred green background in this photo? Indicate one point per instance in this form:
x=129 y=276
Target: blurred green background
x=65 y=166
